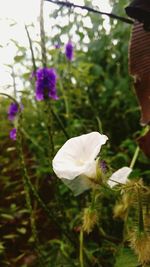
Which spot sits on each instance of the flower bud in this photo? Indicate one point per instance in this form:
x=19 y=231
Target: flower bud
x=140 y=242
x=89 y=219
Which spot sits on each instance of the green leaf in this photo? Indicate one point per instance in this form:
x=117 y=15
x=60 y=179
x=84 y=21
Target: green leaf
x=126 y=258
x=2 y=248
x=21 y=230
x=19 y=58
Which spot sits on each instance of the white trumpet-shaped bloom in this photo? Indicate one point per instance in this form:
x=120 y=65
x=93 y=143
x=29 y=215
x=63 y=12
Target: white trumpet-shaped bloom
x=77 y=156
x=119 y=177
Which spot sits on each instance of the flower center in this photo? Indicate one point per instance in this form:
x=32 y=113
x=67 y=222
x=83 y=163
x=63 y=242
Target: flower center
x=80 y=162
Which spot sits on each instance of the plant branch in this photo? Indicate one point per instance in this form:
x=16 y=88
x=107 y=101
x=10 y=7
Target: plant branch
x=90 y=9
x=42 y=34
x=14 y=82
x=31 y=49
x=60 y=123
x=135 y=156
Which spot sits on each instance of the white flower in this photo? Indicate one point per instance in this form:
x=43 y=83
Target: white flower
x=119 y=177
x=77 y=156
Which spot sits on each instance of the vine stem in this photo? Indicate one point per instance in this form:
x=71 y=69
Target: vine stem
x=42 y=35
x=27 y=192
x=60 y=123
x=49 y=124
x=14 y=82
x=99 y=123
x=48 y=212
x=25 y=182
x=10 y=97
x=31 y=49
x=65 y=98
x=90 y=9
x=81 y=260
x=135 y=156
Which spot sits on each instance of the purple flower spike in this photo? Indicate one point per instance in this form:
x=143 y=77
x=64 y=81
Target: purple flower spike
x=12 y=111
x=13 y=134
x=46 y=84
x=69 y=51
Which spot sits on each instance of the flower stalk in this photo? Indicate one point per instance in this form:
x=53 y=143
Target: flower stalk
x=49 y=124
x=31 y=49
x=65 y=98
x=135 y=156
x=81 y=259
x=60 y=123
x=42 y=33
x=26 y=180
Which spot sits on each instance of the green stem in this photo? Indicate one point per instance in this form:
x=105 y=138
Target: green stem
x=48 y=212
x=27 y=191
x=93 y=199
x=65 y=98
x=96 y=116
x=29 y=186
x=42 y=34
x=135 y=156
x=32 y=140
x=10 y=97
x=60 y=123
x=81 y=260
x=49 y=128
x=14 y=83
x=31 y=49
x=99 y=124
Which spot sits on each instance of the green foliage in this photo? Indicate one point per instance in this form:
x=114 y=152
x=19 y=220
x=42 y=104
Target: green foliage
x=95 y=94
x=126 y=258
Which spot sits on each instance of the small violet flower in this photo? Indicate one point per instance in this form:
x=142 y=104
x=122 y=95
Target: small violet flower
x=46 y=84
x=12 y=111
x=69 y=51
x=57 y=46
x=13 y=134
x=103 y=166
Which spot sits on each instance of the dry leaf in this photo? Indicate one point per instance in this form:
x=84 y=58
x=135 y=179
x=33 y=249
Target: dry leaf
x=139 y=67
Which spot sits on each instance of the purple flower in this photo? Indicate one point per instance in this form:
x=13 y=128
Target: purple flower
x=46 y=84
x=103 y=166
x=13 y=134
x=57 y=45
x=12 y=111
x=69 y=51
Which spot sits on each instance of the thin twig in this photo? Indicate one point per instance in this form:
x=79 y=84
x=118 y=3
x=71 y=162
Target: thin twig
x=10 y=97
x=90 y=9
x=31 y=49
x=14 y=82
x=42 y=34
x=60 y=123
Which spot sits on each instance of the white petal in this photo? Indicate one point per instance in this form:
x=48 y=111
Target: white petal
x=68 y=169
x=120 y=176
x=91 y=144
x=77 y=156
